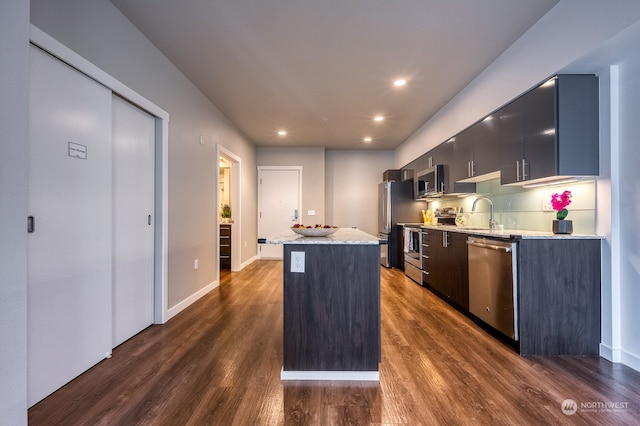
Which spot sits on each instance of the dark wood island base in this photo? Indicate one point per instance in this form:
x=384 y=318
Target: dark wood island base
x=332 y=309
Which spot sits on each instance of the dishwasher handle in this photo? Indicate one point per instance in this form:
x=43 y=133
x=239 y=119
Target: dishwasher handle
x=489 y=246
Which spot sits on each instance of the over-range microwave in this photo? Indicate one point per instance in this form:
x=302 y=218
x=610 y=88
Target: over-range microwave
x=429 y=183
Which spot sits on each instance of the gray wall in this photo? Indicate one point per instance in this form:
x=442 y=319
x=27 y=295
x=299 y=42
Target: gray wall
x=352 y=179
x=341 y=186
x=14 y=122
x=312 y=161
x=97 y=31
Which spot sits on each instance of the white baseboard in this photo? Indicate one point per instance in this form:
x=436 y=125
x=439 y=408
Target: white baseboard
x=620 y=356
x=630 y=360
x=176 y=309
x=608 y=353
x=364 y=376
x=248 y=262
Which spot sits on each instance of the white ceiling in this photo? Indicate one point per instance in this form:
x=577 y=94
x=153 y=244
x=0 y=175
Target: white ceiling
x=321 y=69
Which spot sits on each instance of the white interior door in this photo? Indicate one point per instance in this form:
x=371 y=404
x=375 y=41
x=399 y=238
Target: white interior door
x=279 y=196
x=133 y=203
x=69 y=250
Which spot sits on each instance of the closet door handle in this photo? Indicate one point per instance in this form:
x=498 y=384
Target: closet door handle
x=31 y=224
x=149 y=220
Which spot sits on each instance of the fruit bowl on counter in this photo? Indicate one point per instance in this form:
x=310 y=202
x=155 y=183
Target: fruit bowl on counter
x=314 y=231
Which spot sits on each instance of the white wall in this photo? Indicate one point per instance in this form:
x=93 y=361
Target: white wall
x=352 y=179
x=571 y=30
x=97 y=31
x=14 y=122
x=604 y=210
x=628 y=247
x=575 y=36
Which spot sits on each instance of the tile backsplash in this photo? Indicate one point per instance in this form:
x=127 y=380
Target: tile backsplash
x=527 y=209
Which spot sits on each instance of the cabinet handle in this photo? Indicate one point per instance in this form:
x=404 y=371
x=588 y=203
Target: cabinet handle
x=468 y=168
x=518 y=171
x=524 y=172
x=473 y=171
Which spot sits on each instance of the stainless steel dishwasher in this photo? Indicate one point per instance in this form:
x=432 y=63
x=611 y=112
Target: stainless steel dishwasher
x=493 y=286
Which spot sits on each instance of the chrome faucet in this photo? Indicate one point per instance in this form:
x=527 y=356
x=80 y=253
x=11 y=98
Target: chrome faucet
x=492 y=222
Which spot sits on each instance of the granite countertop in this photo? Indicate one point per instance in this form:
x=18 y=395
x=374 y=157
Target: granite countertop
x=511 y=233
x=341 y=236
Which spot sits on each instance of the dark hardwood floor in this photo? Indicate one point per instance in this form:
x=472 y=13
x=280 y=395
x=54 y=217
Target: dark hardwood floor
x=219 y=361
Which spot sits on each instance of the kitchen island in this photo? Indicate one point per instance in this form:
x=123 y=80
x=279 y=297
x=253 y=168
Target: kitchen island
x=331 y=306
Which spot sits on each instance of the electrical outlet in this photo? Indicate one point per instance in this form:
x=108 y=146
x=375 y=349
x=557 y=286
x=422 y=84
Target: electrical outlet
x=297 y=261
x=546 y=206
x=195 y=264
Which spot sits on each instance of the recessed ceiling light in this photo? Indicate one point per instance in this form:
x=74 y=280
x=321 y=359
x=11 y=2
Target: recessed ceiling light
x=378 y=118
x=367 y=139
x=282 y=133
x=400 y=82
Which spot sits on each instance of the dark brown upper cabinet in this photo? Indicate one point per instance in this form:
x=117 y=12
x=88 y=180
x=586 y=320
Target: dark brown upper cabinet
x=548 y=133
x=551 y=132
x=476 y=149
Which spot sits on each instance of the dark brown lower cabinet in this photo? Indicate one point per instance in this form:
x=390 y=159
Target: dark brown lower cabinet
x=558 y=282
x=559 y=296
x=447 y=271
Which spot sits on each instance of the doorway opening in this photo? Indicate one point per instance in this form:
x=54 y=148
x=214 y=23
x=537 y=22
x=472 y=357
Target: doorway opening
x=228 y=215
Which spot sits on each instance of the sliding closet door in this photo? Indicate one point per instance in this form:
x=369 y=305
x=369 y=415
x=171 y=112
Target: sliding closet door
x=133 y=219
x=70 y=250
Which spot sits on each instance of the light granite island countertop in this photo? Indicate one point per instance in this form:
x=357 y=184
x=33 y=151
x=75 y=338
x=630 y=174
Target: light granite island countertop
x=341 y=236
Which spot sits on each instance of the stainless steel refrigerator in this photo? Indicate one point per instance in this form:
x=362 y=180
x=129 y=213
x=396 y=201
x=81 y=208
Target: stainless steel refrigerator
x=395 y=205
